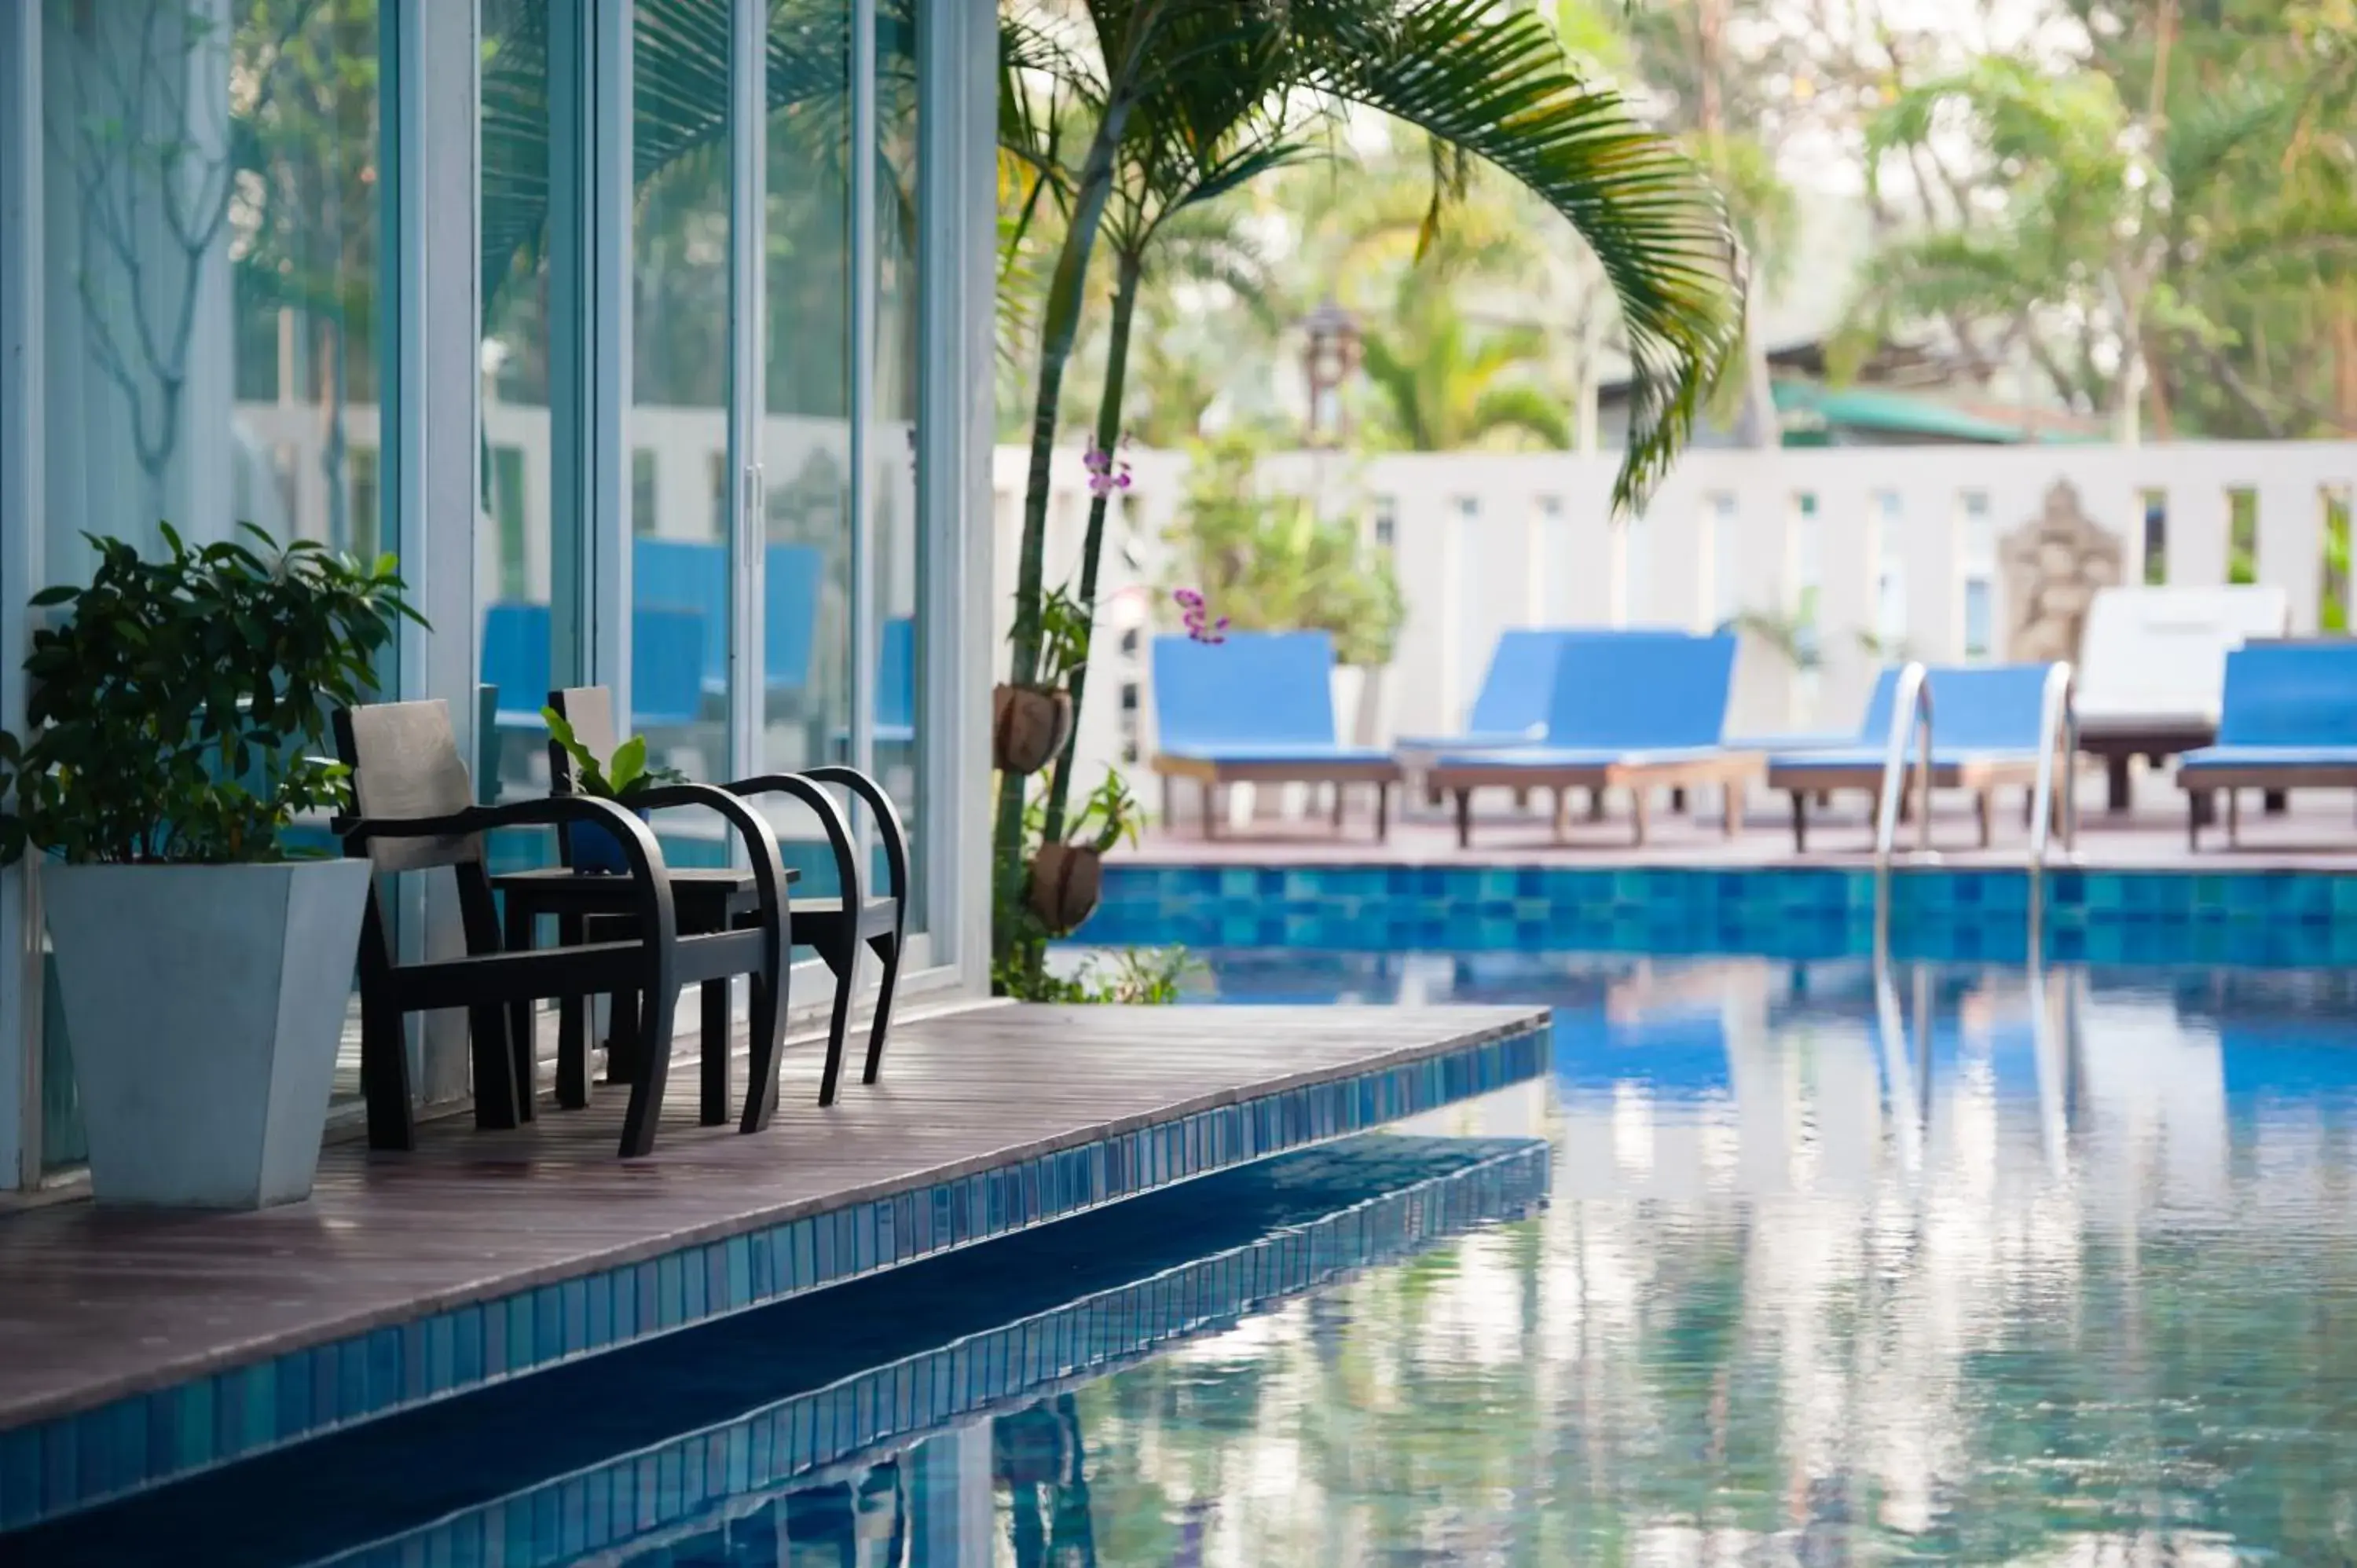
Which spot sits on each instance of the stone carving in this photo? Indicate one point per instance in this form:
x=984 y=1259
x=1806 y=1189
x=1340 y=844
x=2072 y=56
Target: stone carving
x=2053 y=565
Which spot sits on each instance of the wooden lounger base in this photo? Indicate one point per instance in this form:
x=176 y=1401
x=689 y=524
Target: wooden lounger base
x=1211 y=775
x=1730 y=772
x=2203 y=785
x=1983 y=778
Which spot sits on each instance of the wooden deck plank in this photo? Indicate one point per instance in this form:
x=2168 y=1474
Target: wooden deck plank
x=95 y=1304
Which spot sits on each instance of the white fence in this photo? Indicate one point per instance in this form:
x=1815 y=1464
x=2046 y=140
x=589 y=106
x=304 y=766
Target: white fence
x=1891 y=547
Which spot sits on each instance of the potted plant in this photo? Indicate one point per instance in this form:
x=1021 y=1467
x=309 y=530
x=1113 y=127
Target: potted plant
x=621 y=778
x=1068 y=878
x=202 y=963
x=1030 y=722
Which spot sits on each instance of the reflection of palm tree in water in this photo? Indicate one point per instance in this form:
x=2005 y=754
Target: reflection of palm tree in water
x=1036 y=1454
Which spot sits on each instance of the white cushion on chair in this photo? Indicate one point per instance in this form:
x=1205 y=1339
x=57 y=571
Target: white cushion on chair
x=2157 y=655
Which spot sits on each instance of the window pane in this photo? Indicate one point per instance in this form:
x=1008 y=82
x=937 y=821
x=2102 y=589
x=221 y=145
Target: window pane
x=806 y=435
x=898 y=567
x=678 y=404
x=512 y=580
x=210 y=208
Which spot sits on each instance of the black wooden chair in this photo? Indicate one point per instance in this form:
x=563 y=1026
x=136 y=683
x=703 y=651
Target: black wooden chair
x=836 y=929
x=414 y=811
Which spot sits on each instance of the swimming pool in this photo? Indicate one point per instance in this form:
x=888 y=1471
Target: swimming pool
x=1840 y=1262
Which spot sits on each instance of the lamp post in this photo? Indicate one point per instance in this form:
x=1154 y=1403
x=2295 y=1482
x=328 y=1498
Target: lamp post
x=1329 y=354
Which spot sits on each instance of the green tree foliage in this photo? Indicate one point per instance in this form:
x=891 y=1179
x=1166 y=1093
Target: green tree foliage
x=2156 y=227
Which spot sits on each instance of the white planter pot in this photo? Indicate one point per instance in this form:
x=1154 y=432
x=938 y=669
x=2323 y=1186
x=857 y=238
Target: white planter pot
x=204 y=1005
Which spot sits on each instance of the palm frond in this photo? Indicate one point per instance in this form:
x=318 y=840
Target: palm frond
x=1499 y=86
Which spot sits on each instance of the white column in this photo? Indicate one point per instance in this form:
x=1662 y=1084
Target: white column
x=21 y=513
x=2196 y=541
x=1846 y=590
x=2291 y=542
x=957 y=125
x=433 y=269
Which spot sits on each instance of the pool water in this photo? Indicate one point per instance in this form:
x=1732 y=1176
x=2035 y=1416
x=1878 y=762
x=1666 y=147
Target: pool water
x=1843 y=1264
x=1839 y=1263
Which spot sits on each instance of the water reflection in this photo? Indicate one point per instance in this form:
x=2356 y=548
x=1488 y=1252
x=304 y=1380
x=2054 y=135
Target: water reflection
x=1847 y=1262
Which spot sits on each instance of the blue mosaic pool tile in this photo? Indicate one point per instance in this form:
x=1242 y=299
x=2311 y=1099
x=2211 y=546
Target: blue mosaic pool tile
x=655 y=1494
x=72 y=1461
x=1783 y=911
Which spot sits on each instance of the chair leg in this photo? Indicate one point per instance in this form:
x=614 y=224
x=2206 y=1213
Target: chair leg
x=768 y=1023
x=623 y=1046
x=1638 y=804
x=1983 y=808
x=523 y=1045
x=845 y=966
x=1730 y=801
x=2117 y=786
x=1464 y=819
x=653 y=1033
x=888 y=949
x=572 y=1032
x=1800 y=821
x=1337 y=787
x=385 y=1077
x=2233 y=819
x=1211 y=810
x=713 y=1056
x=1382 y=812
x=2193 y=820
x=497 y=1098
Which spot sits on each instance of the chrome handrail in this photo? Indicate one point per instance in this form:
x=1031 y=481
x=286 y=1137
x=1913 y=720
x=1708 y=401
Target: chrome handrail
x=1911 y=709
x=2058 y=715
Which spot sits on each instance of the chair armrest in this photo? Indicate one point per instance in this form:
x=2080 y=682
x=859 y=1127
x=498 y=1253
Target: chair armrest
x=888 y=820
x=830 y=819
x=652 y=877
x=761 y=841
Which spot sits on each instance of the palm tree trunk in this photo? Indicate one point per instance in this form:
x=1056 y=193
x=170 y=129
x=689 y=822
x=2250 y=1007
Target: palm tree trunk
x=1132 y=265
x=1059 y=327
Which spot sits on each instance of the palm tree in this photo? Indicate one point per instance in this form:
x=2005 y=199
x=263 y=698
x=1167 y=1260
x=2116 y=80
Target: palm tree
x=1205 y=94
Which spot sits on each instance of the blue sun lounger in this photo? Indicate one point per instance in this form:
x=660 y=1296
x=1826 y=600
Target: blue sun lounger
x=1640 y=712
x=1257 y=708
x=1511 y=708
x=2289 y=721
x=1985 y=725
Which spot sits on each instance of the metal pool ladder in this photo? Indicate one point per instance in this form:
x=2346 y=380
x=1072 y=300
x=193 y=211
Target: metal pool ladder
x=1910 y=712
x=2058 y=745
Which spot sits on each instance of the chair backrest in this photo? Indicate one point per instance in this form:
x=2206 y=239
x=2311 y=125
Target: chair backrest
x=2291 y=694
x=896 y=673
x=1253 y=689
x=590 y=711
x=1981 y=707
x=1517 y=686
x=1646 y=692
x=686 y=574
x=515 y=654
x=789 y=614
x=405 y=763
x=2160 y=652
x=1876 y=727
x=666 y=667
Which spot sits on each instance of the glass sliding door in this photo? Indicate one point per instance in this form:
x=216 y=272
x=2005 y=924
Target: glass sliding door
x=515 y=582
x=683 y=492
x=896 y=566
x=213 y=257
x=805 y=439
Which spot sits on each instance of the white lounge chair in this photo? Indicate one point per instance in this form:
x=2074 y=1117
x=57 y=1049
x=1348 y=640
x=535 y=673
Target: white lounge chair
x=2152 y=669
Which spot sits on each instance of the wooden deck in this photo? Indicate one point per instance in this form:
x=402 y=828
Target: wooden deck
x=139 y=1344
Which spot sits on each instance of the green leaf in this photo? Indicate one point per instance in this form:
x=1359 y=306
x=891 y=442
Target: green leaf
x=629 y=765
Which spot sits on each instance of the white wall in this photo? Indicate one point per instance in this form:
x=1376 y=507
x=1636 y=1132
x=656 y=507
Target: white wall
x=1484 y=543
